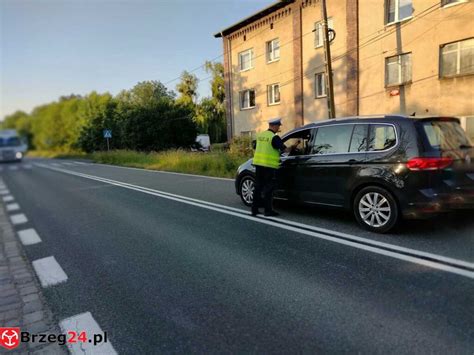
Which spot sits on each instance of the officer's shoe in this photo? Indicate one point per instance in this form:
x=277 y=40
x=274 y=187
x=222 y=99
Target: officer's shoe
x=255 y=212
x=271 y=214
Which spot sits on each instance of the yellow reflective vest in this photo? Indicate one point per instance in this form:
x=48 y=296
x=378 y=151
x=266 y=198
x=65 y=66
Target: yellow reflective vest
x=265 y=154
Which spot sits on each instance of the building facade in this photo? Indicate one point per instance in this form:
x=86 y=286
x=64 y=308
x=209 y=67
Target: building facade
x=391 y=56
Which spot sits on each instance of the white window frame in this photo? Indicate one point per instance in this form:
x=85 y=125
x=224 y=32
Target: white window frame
x=246 y=92
x=270 y=49
x=318 y=32
x=271 y=94
x=445 y=4
x=458 y=59
x=247 y=51
x=317 y=94
x=397 y=12
x=401 y=81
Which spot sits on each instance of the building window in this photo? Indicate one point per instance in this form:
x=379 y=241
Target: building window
x=320 y=85
x=319 y=34
x=452 y=2
x=247 y=99
x=398 y=69
x=273 y=92
x=273 y=50
x=457 y=58
x=245 y=60
x=398 y=10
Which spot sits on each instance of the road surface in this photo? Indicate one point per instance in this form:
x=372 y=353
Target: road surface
x=175 y=263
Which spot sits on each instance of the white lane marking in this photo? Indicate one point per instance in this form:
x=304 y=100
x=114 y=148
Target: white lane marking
x=27 y=166
x=85 y=322
x=18 y=218
x=375 y=247
x=4 y=192
x=49 y=271
x=13 y=207
x=29 y=236
x=7 y=198
x=81 y=163
x=13 y=167
x=55 y=164
x=164 y=172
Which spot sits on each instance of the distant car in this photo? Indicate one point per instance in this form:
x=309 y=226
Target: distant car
x=12 y=148
x=381 y=168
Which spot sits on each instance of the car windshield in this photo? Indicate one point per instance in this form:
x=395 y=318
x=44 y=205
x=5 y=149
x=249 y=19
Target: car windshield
x=10 y=142
x=445 y=135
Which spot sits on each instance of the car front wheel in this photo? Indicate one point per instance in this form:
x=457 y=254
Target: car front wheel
x=376 y=209
x=246 y=188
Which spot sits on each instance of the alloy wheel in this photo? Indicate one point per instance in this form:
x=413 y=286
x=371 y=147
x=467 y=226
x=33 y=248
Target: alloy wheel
x=374 y=209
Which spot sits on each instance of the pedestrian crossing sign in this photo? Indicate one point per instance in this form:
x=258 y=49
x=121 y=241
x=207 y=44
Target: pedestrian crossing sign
x=107 y=133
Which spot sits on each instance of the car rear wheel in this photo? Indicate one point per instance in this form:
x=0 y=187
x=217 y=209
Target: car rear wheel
x=246 y=188
x=376 y=209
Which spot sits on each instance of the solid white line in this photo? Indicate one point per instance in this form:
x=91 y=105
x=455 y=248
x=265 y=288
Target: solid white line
x=354 y=241
x=49 y=271
x=7 y=198
x=4 y=192
x=85 y=322
x=13 y=167
x=27 y=166
x=164 y=172
x=18 y=218
x=13 y=207
x=29 y=237
x=55 y=164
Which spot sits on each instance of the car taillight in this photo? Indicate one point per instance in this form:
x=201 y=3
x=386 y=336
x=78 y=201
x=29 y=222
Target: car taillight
x=429 y=163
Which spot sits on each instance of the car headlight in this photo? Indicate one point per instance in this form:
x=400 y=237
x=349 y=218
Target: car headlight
x=19 y=155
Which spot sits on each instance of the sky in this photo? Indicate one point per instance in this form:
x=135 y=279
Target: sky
x=50 y=48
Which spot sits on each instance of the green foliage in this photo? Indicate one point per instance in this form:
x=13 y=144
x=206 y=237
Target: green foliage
x=241 y=146
x=21 y=122
x=187 y=88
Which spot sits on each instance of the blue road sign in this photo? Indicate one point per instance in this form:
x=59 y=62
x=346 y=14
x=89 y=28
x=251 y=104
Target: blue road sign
x=107 y=133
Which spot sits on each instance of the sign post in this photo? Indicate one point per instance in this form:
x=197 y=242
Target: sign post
x=107 y=136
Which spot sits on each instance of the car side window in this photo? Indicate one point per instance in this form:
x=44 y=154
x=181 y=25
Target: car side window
x=332 y=139
x=359 y=138
x=381 y=137
x=302 y=138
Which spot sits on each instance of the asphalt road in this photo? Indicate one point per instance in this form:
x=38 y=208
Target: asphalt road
x=163 y=273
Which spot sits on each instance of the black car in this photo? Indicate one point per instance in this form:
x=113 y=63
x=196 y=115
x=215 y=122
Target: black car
x=380 y=167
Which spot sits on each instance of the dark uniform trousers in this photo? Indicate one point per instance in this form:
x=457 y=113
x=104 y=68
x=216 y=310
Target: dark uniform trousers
x=265 y=184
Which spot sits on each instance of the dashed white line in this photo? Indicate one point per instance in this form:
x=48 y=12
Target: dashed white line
x=7 y=198
x=4 y=192
x=13 y=167
x=29 y=237
x=27 y=166
x=85 y=322
x=13 y=207
x=18 y=218
x=49 y=271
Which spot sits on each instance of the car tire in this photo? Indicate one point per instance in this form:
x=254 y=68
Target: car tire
x=246 y=188
x=376 y=209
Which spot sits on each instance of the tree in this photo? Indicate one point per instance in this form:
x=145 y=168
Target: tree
x=187 y=88
x=217 y=80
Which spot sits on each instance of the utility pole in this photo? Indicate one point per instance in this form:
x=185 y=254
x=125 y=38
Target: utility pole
x=327 y=55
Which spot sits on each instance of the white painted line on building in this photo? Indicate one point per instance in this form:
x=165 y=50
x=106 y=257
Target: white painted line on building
x=13 y=167
x=13 y=207
x=4 y=192
x=7 y=198
x=29 y=237
x=85 y=322
x=49 y=271
x=18 y=218
x=414 y=256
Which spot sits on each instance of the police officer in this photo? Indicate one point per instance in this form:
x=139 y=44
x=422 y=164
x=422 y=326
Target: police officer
x=266 y=161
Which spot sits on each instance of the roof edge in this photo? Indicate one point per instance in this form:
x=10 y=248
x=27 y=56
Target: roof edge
x=258 y=15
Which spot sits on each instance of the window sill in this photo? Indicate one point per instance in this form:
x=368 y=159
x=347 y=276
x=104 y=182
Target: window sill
x=320 y=97
x=274 y=104
x=397 y=85
x=244 y=70
x=455 y=76
x=399 y=21
x=273 y=61
x=247 y=108
x=454 y=4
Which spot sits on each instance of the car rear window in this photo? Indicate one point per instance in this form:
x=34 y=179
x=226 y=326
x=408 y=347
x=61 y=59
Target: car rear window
x=332 y=139
x=445 y=135
x=381 y=137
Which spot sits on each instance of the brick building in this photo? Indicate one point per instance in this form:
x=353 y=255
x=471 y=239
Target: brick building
x=392 y=56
